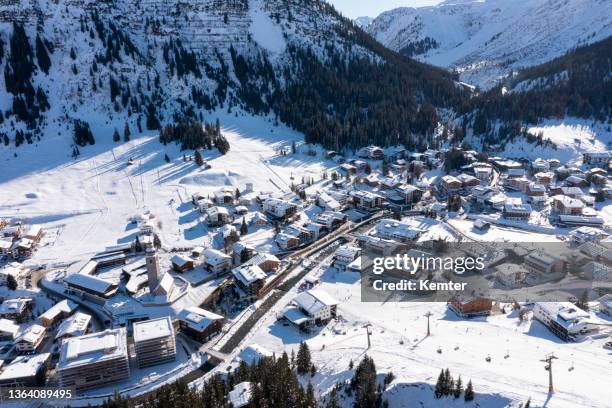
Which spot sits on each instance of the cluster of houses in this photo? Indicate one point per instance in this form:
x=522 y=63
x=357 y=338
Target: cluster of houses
x=18 y=241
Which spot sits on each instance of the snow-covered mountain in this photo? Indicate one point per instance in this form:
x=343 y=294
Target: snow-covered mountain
x=363 y=21
x=485 y=40
x=110 y=62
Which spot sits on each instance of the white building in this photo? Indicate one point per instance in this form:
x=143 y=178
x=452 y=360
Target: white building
x=216 y=261
x=310 y=307
x=25 y=371
x=94 y=360
x=345 y=254
x=564 y=319
x=279 y=208
x=154 y=341
x=30 y=339
x=395 y=230
x=8 y=330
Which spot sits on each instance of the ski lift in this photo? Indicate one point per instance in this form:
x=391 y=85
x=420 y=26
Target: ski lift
x=439 y=350
x=456 y=347
x=547 y=367
x=571 y=368
x=488 y=359
x=130 y=161
x=401 y=341
x=507 y=354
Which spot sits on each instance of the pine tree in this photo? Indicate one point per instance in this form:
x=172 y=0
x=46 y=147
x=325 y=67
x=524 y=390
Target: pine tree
x=237 y=194
x=439 y=390
x=11 y=283
x=351 y=364
x=448 y=382
x=333 y=400
x=44 y=62
x=469 y=392
x=166 y=158
x=244 y=229
x=198 y=158
x=528 y=403
x=364 y=384
x=303 y=359
x=116 y=136
x=126 y=132
x=310 y=400
x=458 y=388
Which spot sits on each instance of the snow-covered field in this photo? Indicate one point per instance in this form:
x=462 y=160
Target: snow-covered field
x=85 y=204
x=464 y=345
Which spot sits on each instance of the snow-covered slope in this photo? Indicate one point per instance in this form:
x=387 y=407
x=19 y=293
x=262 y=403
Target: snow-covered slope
x=120 y=61
x=363 y=21
x=485 y=40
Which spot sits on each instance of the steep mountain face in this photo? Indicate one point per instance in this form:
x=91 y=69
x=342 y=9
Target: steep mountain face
x=486 y=40
x=363 y=21
x=148 y=62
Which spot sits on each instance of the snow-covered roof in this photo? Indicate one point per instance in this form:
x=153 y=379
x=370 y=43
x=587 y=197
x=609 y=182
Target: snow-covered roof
x=517 y=207
x=165 y=285
x=314 y=300
x=75 y=325
x=248 y=273
x=197 y=318
x=180 y=260
x=568 y=202
x=9 y=327
x=94 y=347
x=347 y=251
x=66 y=306
x=216 y=210
x=215 y=257
x=240 y=395
x=91 y=283
x=24 y=367
x=153 y=329
x=253 y=353
x=32 y=334
x=11 y=306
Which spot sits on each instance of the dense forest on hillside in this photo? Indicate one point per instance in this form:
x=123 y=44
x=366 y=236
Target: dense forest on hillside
x=577 y=84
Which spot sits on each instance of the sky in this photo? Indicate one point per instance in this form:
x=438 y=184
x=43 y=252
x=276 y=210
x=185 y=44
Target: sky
x=372 y=8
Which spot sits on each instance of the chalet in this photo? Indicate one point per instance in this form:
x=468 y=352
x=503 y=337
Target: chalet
x=534 y=190
x=468 y=181
x=539 y=165
x=345 y=254
x=510 y=275
x=16 y=309
x=565 y=205
x=30 y=339
x=544 y=178
x=398 y=231
x=200 y=324
x=287 y=241
x=311 y=307
x=450 y=185
x=14 y=269
x=348 y=169
x=366 y=200
x=570 y=191
x=581 y=235
x=483 y=173
x=371 y=152
x=515 y=211
x=600 y=159
x=217 y=261
x=241 y=210
x=11 y=231
x=22 y=248
x=26 y=371
x=57 y=312
x=598 y=179
x=564 y=319
x=331 y=219
x=409 y=193
x=468 y=307
x=218 y=216
x=257 y=218
x=360 y=165
x=204 y=204
x=372 y=180
x=540 y=262
x=33 y=233
x=242 y=252
x=225 y=196
x=279 y=208
x=249 y=280
x=197 y=197
x=316 y=230
x=516 y=183
x=327 y=202
x=75 y=326
x=481 y=225
x=265 y=262
x=181 y=263
x=576 y=181
x=8 y=330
